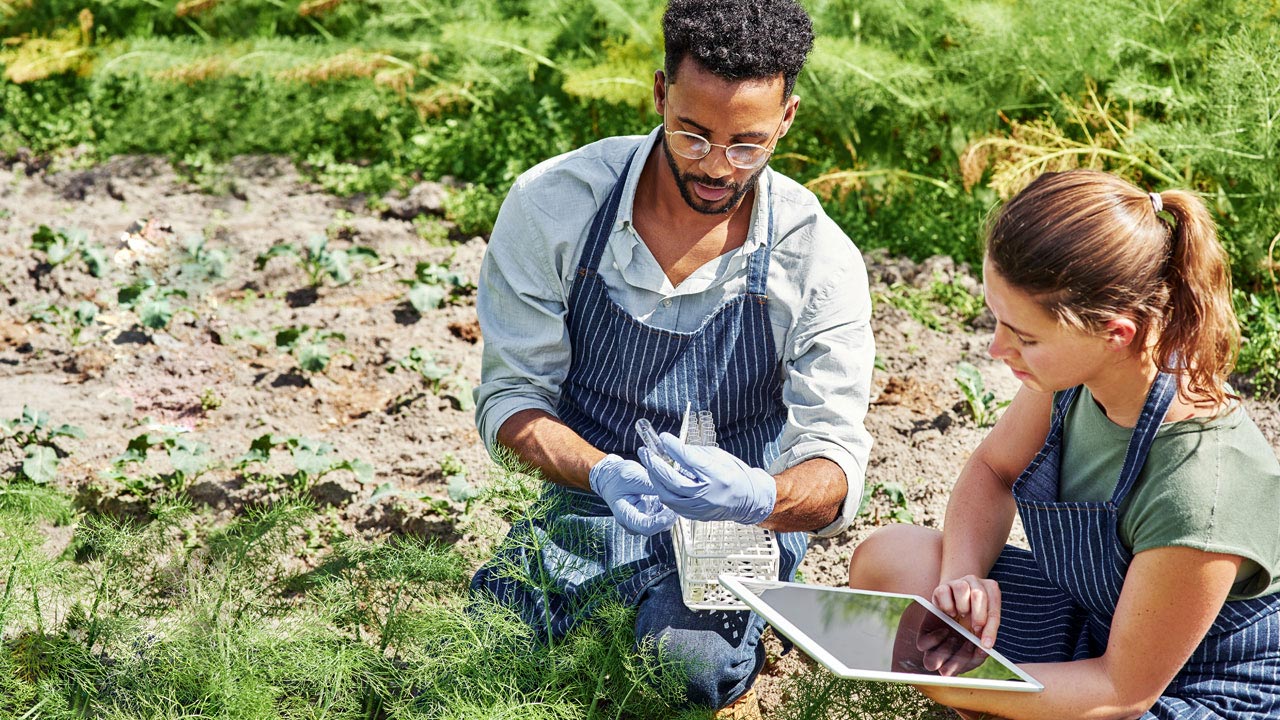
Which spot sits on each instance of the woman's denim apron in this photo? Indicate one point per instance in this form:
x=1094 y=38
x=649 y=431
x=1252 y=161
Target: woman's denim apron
x=623 y=370
x=1059 y=599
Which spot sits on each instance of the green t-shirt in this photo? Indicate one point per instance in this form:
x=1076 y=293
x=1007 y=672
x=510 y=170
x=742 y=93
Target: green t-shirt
x=1209 y=484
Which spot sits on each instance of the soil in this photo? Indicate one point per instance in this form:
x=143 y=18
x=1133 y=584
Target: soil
x=207 y=375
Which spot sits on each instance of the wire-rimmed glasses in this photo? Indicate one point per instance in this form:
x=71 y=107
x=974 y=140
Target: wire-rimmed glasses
x=744 y=156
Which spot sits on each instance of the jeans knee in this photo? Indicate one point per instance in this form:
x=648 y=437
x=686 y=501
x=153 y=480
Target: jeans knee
x=713 y=674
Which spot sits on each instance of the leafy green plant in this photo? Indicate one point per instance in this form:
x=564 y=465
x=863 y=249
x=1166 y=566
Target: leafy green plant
x=319 y=261
x=935 y=306
x=899 y=508
x=37 y=437
x=150 y=301
x=201 y=263
x=434 y=285
x=1260 y=349
x=473 y=209
x=312 y=460
x=72 y=321
x=439 y=380
x=188 y=460
x=980 y=402
x=62 y=245
x=310 y=346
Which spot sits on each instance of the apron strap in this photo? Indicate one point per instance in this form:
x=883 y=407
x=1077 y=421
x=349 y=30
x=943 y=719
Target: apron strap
x=1153 y=411
x=758 y=263
x=602 y=223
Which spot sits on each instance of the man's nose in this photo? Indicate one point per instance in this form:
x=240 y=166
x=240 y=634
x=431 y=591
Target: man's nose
x=716 y=164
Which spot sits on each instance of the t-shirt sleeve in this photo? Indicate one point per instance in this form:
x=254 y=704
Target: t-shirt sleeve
x=1219 y=491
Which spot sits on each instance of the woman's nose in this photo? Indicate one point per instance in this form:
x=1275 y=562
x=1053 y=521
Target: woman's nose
x=1000 y=347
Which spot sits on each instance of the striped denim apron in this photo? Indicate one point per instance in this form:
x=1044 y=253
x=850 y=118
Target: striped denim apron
x=1059 y=599
x=572 y=549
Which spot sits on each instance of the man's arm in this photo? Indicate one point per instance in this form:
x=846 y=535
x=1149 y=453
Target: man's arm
x=541 y=440
x=827 y=365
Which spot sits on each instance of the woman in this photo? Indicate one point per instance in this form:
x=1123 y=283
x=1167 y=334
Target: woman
x=1151 y=502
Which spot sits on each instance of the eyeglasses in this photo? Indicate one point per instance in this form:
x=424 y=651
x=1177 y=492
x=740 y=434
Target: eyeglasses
x=744 y=156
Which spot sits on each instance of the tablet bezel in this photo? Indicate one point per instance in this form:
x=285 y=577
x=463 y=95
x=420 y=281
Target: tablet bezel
x=817 y=652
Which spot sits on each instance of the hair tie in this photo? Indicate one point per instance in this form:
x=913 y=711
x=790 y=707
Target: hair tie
x=1157 y=202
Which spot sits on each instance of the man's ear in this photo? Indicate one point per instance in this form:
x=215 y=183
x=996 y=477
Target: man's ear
x=660 y=92
x=789 y=115
x=1119 y=333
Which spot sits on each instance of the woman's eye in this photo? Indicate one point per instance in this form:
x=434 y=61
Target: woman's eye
x=1024 y=341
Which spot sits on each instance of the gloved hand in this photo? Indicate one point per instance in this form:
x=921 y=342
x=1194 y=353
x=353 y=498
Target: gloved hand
x=625 y=485
x=722 y=487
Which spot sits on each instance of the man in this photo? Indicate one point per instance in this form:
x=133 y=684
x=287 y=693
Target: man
x=634 y=276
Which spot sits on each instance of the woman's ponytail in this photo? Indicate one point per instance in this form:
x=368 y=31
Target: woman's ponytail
x=1201 y=336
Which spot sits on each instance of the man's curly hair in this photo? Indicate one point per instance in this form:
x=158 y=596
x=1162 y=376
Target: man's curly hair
x=739 y=39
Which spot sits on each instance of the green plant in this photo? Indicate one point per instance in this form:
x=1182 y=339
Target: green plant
x=319 y=261
x=1260 y=349
x=309 y=346
x=312 y=460
x=61 y=245
x=935 y=306
x=201 y=263
x=150 y=301
x=439 y=379
x=74 y=321
x=434 y=285
x=210 y=400
x=899 y=509
x=980 y=402
x=36 y=437
x=473 y=209
x=188 y=460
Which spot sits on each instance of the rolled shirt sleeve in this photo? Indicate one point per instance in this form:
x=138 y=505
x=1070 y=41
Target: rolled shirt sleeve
x=521 y=308
x=827 y=367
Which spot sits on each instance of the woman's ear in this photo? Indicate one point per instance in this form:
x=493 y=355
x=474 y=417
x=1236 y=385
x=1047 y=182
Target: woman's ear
x=1119 y=333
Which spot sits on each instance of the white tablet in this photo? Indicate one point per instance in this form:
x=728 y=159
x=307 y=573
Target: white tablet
x=870 y=635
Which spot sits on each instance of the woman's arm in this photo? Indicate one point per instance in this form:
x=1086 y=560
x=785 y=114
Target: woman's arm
x=981 y=511
x=1171 y=597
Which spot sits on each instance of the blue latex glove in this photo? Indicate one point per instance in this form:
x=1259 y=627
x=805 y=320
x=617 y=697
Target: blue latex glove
x=625 y=485
x=722 y=487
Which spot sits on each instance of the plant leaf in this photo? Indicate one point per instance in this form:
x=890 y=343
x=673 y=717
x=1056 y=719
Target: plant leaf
x=41 y=464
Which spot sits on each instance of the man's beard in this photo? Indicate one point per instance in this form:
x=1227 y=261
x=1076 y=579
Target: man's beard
x=684 y=182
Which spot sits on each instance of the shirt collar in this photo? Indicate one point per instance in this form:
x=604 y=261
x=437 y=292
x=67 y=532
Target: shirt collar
x=757 y=231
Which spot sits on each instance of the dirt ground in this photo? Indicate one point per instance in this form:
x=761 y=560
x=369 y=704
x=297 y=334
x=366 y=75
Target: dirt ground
x=208 y=375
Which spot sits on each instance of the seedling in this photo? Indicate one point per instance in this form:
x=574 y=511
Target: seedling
x=204 y=264
x=72 y=321
x=312 y=460
x=980 y=401
x=150 y=302
x=319 y=261
x=61 y=245
x=309 y=346
x=36 y=436
x=433 y=286
x=899 y=510
x=188 y=459
x=439 y=379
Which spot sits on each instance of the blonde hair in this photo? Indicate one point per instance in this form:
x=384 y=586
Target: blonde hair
x=1091 y=246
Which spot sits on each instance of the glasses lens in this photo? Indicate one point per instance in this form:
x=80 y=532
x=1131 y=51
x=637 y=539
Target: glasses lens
x=746 y=155
x=689 y=146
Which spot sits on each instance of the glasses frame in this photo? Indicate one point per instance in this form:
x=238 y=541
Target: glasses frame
x=768 y=151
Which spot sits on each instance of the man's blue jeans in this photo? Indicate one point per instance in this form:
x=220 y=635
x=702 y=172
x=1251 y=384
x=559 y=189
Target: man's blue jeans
x=721 y=651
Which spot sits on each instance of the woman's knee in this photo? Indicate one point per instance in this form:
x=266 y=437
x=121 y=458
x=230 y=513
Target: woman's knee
x=896 y=558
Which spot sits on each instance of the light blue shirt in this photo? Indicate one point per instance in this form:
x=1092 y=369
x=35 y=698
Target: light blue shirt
x=819 y=304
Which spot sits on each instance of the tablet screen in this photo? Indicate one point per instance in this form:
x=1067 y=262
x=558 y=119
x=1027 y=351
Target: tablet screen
x=873 y=633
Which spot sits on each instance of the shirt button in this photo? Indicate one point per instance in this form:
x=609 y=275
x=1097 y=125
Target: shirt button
x=666 y=303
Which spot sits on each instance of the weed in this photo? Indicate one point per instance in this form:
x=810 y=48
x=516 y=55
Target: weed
x=60 y=245
x=473 y=209
x=980 y=402
x=210 y=400
x=935 y=306
x=319 y=261
x=309 y=346
x=312 y=460
x=1260 y=349
x=431 y=229
x=434 y=285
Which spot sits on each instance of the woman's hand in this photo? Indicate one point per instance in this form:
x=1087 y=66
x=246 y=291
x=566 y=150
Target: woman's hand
x=973 y=601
